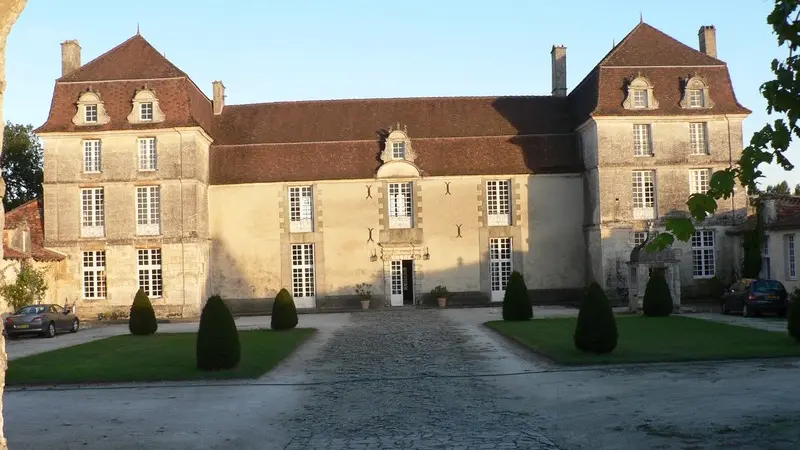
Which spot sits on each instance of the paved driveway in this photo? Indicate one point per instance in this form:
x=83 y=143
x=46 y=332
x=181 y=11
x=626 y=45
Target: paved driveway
x=769 y=323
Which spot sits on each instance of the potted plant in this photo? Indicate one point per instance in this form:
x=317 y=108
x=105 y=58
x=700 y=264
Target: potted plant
x=441 y=294
x=364 y=290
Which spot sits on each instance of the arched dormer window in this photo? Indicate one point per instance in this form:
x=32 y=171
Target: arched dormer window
x=145 y=107
x=640 y=95
x=91 y=110
x=695 y=93
x=398 y=146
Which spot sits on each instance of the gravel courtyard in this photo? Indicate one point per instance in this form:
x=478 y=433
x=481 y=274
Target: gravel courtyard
x=425 y=379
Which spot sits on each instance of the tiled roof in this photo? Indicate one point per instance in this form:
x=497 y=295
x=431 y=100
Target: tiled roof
x=32 y=214
x=787 y=214
x=646 y=45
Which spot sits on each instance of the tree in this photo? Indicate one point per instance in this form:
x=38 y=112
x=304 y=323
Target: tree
x=143 y=319
x=596 y=330
x=22 y=165
x=657 y=300
x=218 y=346
x=29 y=287
x=753 y=246
x=516 y=303
x=781 y=188
x=796 y=189
x=284 y=312
x=768 y=144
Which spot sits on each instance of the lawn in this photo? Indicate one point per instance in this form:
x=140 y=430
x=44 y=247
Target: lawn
x=651 y=339
x=158 y=357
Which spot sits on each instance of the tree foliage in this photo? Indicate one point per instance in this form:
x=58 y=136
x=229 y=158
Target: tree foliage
x=143 y=319
x=657 y=300
x=22 y=165
x=768 y=145
x=284 y=312
x=596 y=330
x=218 y=346
x=29 y=287
x=753 y=246
x=516 y=303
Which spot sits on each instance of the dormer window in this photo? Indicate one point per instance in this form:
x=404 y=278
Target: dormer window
x=695 y=93
x=91 y=114
x=146 y=112
x=398 y=150
x=640 y=95
x=145 y=108
x=398 y=146
x=695 y=97
x=639 y=99
x=90 y=110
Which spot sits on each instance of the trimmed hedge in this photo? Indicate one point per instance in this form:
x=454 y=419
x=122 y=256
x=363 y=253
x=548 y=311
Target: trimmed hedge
x=793 y=318
x=516 y=304
x=143 y=319
x=218 y=345
x=657 y=300
x=596 y=331
x=284 y=313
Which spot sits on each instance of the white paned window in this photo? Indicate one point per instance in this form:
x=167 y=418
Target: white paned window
x=148 y=155
x=301 y=209
x=398 y=150
x=639 y=237
x=148 y=210
x=642 y=142
x=303 y=275
x=91 y=156
x=644 y=194
x=498 y=202
x=695 y=98
x=698 y=138
x=791 y=258
x=400 y=205
x=149 y=265
x=698 y=181
x=639 y=97
x=92 y=212
x=766 y=261
x=94 y=274
x=146 y=111
x=703 y=254
x=90 y=114
x=499 y=266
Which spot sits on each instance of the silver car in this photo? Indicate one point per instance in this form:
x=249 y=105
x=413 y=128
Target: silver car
x=45 y=320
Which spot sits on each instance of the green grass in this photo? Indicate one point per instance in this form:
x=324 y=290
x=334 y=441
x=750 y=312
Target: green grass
x=158 y=357
x=651 y=339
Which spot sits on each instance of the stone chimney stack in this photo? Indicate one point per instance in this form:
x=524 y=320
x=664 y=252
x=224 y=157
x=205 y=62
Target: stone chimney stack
x=70 y=57
x=559 y=57
x=219 y=97
x=708 y=40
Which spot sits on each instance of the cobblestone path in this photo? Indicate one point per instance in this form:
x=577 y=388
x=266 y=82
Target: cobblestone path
x=419 y=394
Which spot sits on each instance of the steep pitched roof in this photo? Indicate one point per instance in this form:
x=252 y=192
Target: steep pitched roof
x=646 y=45
x=134 y=59
x=30 y=213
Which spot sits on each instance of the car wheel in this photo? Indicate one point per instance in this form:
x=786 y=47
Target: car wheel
x=746 y=311
x=75 y=325
x=51 y=330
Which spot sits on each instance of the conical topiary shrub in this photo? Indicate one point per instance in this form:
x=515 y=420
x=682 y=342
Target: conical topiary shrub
x=516 y=304
x=143 y=319
x=596 y=330
x=657 y=298
x=218 y=345
x=793 y=318
x=284 y=313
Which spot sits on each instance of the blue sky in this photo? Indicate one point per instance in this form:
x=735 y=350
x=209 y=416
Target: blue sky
x=298 y=50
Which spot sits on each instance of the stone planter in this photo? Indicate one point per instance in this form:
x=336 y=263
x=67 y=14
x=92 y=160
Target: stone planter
x=365 y=304
x=442 y=302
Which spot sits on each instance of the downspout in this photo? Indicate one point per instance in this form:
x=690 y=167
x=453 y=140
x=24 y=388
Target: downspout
x=183 y=250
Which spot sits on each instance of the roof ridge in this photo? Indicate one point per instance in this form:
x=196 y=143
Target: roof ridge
x=379 y=99
x=643 y=26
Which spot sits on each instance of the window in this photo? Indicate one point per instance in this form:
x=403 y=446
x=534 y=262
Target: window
x=92 y=212
x=644 y=200
x=698 y=181
x=400 y=205
x=147 y=154
x=642 y=144
x=639 y=237
x=301 y=209
x=148 y=210
x=303 y=274
x=766 y=261
x=146 y=111
x=91 y=114
x=398 y=150
x=91 y=156
x=698 y=139
x=639 y=98
x=498 y=202
x=149 y=264
x=791 y=261
x=94 y=274
x=695 y=98
x=499 y=266
x=703 y=254
x=26 y=239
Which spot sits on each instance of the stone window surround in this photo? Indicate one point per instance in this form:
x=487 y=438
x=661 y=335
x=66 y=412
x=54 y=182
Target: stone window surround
x=699 y=83
x=640 y=82
x=651 y=141
x=398 y=136
x=90 y=97
x=145 y=95
x=708 y=270
x=316 y=237
x=516 y=203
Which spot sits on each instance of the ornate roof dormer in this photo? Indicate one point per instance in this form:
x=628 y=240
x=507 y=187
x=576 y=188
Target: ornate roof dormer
x=695 y=93
x=91 y=109
x=640 y=94
x=145 y=107
x=398 y=155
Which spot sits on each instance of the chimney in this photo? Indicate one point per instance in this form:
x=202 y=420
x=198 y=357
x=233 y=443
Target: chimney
x=219 y=97
x=559 y=54
x=769 y=211
x=708 y=40
x=70 y=57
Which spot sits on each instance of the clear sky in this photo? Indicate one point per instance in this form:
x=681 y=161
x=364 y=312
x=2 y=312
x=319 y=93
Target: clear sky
x=266 y=50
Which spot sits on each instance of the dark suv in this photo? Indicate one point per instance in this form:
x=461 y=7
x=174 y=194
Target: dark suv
x=750 y=297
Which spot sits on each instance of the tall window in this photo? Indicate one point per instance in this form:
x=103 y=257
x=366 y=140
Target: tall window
x=90 y=114
x=698 y=180
x=499 y=266
x=766 y=261
x=149 y=265
x=791 y=261
x=91 y=156
x=148 y=157
x=92 y=212
x=301 y=209
x=303 y=272
x=94 y=274
x=498 y=202
x=703 y=254
x=644 y=194
x=642 y=143
x=146 y=111
x=148 y=210
x=639 y=97
x=639 y=238
x=400 y=205
x=698 y=138
x=695 y=98
x=398 y=150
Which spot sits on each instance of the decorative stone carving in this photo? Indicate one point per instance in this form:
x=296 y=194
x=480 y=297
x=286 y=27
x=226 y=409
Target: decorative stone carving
x=699 y=83
x=398 y=137
x=145 y=95
x=640 y=83
x=88 y=98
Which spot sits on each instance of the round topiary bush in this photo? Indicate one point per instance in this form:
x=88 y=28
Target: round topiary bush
x=793 y=318
x=516 y=304
x=657 y=298
x=218 y=345
x=596 y=331
x=143 y=319
x=284 y=313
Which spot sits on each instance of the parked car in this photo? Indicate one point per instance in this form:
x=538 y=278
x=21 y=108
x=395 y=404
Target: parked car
x=750 y=296
x=46 y=320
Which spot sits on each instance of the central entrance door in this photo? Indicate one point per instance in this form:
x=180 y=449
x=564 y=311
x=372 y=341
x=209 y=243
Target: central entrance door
x=402 y=280
x=408 y=282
